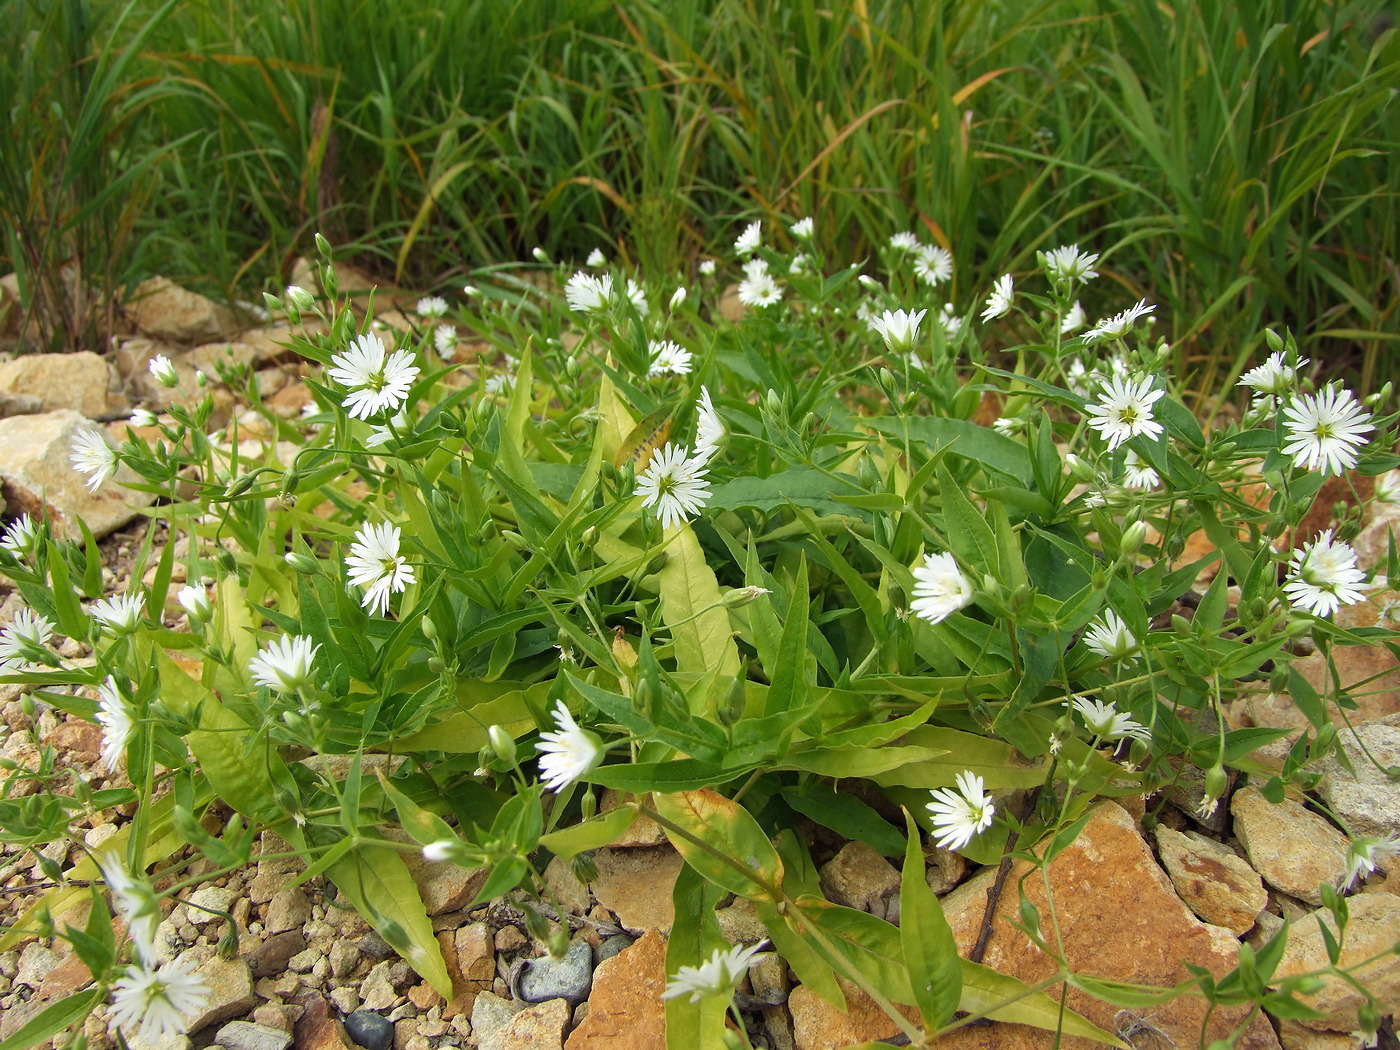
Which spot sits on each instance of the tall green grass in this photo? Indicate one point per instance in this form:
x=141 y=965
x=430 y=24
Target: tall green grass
x=1233 y=162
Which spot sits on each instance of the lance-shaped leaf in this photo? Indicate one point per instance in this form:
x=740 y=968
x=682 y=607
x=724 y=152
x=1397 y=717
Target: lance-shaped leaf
x=721 y=840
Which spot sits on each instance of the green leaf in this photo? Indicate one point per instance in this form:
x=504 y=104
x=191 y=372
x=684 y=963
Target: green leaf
x=999 y=764
x=505 y=876
x=589 y=834
x=376 y=881
x=858 y=761
x=681 y=774
x=72 y=621
x=803 y=486
x=746 y=864
x=984 y=988
x=930 y=953
x=695 y=934
x=967 y=439
x=693 y=608
x=867 y=949
x=53 y=1019
x=846 y=815
x=425 y=827
x=790 y=687
x=811 y=968
x=967 y=532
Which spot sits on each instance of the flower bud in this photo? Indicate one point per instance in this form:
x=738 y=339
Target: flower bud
x=540 y=255
x=1133 y=536
x=444 y=849
x=196 y=603
x=502 y=743
x=299 y=298
x=677 y=298
x=273 y=304
x=1078 y=468
x=1272 y=338
x=164 y=371
x=323 y=247
x=869 y=283
x=584 y=868
x=588 y=804
x=301 y=562
x=741 y=596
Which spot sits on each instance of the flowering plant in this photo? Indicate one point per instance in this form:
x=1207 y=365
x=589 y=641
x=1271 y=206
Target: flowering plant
x=719 y=569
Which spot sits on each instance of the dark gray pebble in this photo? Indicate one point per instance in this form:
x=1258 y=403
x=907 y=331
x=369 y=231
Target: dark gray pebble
x=568 y=978
x=612 y=946
x=370 y=1030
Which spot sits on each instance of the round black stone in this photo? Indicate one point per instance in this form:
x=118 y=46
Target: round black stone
x=370 y=1030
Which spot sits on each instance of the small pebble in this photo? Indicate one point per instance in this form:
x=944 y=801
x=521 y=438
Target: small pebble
x=568 y=978
x=370 y=1030
x=612 y=946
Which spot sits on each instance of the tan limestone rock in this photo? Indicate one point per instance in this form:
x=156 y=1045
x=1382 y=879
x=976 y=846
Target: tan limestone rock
x=1367 y=801
x=317 y=1028
x=1215 y=883
x=77 y=382
x=162 y=309
x=444 y=886
x=1373 y=929
x=538 y=1027
x=1121 y=919
x=1292 y=847
x=625 y=1011
x=564 y=888
x=636 y=884
x=817 y=1025
x=859 y=878
x=1294 y=1036
x=643 y=831
x=38 y=477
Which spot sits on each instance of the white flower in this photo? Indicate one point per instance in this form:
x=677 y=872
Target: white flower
x=1324 y=430
x=499 y=384
x=949 y=322
x=1274 y=376
x=933 y=264
x=904 y=242
x=567 y=753
x=1067 y=263
x=25 y=635
x=1105 y=720
x=1137 y=474
x=596 y=258
x=668 y=358
x=1364 y=854
x=285 y=665
x=144 y=417
x=135 y=901
x=800 y=263
x=940 y=588
x=1324 y=576
x=587 y=294
x=149 y=1004
x=164 y=371
x=1008 y=425
x=376 y=381
x=759 y=290
x=196 y=602
x=1119 y=324
x=756 y=267
x=21 y=536
x=716 y=977
x=638 y=298
x=1124 y=410
x=382 y=435
x=1077 y=377
x=1109 y=637
x=120 y=614
x=674 y=483
x=750 y=239
x=115 y=716
x=999 y=302
x=709 y=428
x=898 y=328
x=94 y=457
x=960 y=815
x=445 y=340
x=706 y=267
x=375 y=563
x=1074 y=320
x=1387 y=490
x=803 y=229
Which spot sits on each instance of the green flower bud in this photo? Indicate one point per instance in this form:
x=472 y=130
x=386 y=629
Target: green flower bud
x=502 y=743
x=302 y=563
x=323 y=247
x=1133 y=536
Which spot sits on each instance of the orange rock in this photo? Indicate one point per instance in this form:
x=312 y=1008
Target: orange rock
x=625 y=1011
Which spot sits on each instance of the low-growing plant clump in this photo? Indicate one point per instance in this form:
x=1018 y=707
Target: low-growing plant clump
x=820 y=561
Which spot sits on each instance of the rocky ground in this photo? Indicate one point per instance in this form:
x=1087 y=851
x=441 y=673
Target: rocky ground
x=309 y=972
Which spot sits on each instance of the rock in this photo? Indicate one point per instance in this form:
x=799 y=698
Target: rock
x=1369 y=664
x=76 y=382
x=376 y=947
x=1372 y=929
x=80 y=738
x=643 y=831
x=548 y=978
x=378 y=991
x=1368 y=802
x=1120 y=918
x=611 y=946
x=230 y=985
x=510 y=939
x=490 y=1015
x=214 y=358
x=944 y=869
x=164 y=310
x=203 y=905
x=539 y=1027
x=768 y=975
x=1215 y=884
x=288 y=910
x=859 y=878
x=316 y=1028
x=625 y=1011
x=272 y=956
x=39 y=479
x=817 y=1025
x=370 y=1030
x=67 y=977
x=475 y=952
x=347 y=999
x=20 y=405
x=739 y=922
x=1292 y=847
x=562 y=887
x=443 y=885
x=343 y=958
x=305 y=961
x=636 y=885
x=243 y=1035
